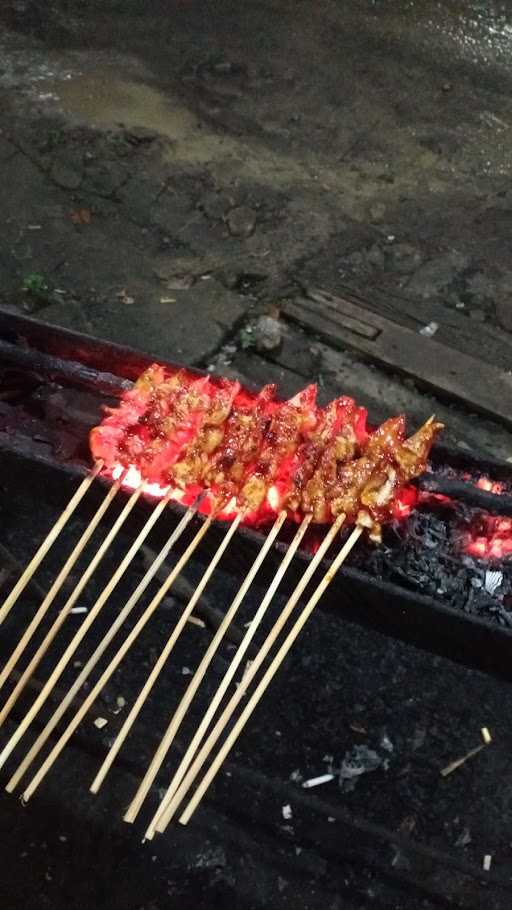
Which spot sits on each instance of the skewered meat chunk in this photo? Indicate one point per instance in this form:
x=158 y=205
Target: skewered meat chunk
x=408 y=460
x=340 y=444
x=288 y=423
x=242 y=441
x=106 y=439
x=194 y=459
x=170 y=423
x=259 y=455
x=355 y=477
x=411 y=457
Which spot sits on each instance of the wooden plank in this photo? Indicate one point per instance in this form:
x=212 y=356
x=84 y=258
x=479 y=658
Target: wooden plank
x=482 y=340
x=449 y=373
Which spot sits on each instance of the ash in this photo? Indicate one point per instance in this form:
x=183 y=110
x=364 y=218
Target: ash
x=426 y=554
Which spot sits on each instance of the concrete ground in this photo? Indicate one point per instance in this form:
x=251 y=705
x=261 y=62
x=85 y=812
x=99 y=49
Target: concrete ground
x=171 y=172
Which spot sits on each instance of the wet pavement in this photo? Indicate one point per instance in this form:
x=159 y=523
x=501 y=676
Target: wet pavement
x=167 y=179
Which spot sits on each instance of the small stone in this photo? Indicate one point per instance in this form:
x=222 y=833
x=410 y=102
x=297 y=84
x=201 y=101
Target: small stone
x=267 y=334
x=377 y=212
x=375 y=256
x=180 y=282
x=436 y=275
x=215 y=205
x=100 y=722
x=141 y=134
x=241 y=221
x=405 y=258
x=504 y=313
x=65 y=175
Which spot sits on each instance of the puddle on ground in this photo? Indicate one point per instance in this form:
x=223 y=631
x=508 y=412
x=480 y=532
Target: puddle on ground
x=108 y=100
x=105 y=100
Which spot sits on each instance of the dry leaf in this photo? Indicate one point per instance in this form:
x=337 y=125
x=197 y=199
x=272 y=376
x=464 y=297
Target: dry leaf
x=81 y=216
x=125 y=298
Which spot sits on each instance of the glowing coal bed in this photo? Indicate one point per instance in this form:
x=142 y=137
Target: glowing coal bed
x=441 y=573
x=435 y=546
x=459 y=555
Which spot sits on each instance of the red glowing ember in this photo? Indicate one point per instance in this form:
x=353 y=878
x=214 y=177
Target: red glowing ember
x=490 y=536
x=250 y=453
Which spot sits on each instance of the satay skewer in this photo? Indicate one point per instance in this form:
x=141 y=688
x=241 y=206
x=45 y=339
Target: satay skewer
x=104 y=678
x=235 y=663
x=163 y=658
x=93 y=613
x=266 y=679
x=68 y=606
x=169 y=803
x=48 y=542
x=50 y=597
x=177 y=718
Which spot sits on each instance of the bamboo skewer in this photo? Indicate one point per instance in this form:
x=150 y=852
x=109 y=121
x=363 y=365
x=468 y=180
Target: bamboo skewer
x=191 y=690
x=113 y=664
x=93 y=613
x=56 y=586
x=269 y=674
x=97 y=654
x=169 y=804
x=162 y=660
x=66 y=609
x=235 y=663
x=48 y=542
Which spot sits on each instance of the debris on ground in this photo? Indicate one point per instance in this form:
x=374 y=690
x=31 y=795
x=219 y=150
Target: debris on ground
x=241 y=221
x=317 y=781
x=429 y=330
x=360 y=760
x=268 y=334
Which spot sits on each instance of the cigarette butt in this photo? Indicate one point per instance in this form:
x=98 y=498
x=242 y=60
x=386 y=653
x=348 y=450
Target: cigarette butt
x=196 y=621
x=317 y=781
x=486 y=736
x=487 y=862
